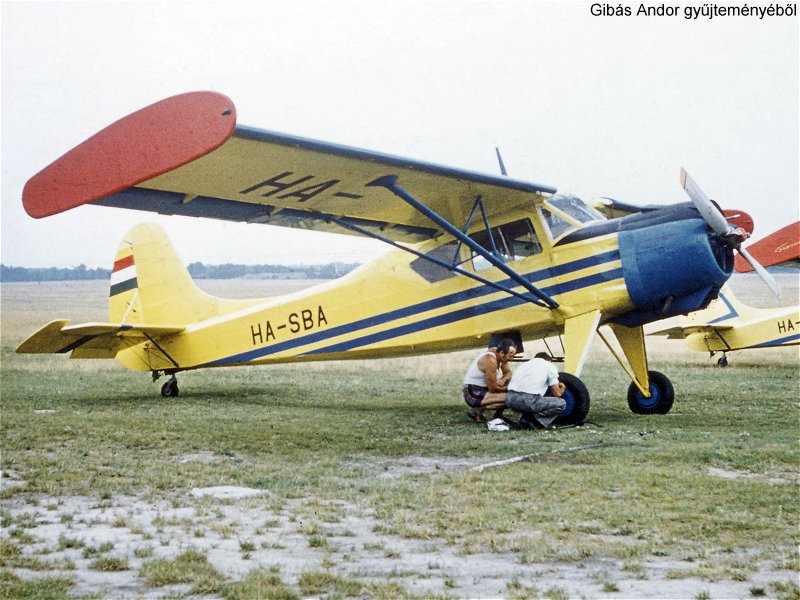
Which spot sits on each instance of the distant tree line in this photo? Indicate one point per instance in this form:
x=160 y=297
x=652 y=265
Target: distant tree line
x=81 y=272
x=230 y=271
x=197 y=270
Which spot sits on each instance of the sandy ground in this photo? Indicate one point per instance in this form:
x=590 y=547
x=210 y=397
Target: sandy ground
x=239 y=532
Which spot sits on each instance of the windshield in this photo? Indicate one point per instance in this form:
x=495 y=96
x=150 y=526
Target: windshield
x=575 y=208
x=563 y=213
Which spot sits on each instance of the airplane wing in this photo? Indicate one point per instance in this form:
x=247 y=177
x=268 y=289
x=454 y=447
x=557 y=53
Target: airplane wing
x=781 y=247
x=91 y=340
x=186 y=156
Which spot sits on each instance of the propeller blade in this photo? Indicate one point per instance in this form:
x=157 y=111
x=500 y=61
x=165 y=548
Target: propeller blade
x=766 y=277
x=705 y=207
x=717 y=221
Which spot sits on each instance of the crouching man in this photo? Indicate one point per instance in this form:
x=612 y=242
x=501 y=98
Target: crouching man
x=486 y=381
x=535 y=392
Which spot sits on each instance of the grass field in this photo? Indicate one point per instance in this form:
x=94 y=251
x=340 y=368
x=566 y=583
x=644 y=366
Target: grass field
x=366 y=479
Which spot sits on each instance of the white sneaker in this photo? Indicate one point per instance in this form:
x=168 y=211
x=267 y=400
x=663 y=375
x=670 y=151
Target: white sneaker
x=498 y=425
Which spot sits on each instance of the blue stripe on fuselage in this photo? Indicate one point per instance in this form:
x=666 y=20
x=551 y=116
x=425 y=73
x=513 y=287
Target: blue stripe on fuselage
x=408 y=311
x=464 y=313
x=777 y=342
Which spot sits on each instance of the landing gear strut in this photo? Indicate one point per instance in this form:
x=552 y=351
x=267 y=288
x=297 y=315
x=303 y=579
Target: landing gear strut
x=170 y=388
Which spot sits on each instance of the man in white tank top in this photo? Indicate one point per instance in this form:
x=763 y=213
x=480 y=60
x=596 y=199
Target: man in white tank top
x=486 y=381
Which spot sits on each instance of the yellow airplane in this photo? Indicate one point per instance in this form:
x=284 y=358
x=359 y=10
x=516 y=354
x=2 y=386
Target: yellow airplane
x=728 y=324
x=479 y=257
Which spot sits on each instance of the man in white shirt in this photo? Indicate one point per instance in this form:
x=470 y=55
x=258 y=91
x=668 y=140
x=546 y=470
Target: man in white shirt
x=527 y=389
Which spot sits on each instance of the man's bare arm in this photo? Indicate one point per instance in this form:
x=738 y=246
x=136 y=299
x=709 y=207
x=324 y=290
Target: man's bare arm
x=488 y=366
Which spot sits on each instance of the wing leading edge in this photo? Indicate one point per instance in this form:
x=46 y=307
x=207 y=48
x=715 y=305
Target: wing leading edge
x=256 y=176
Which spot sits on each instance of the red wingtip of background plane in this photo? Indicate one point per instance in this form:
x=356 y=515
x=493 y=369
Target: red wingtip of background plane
x=147 y=143
x=739 y=218
x=777 y=248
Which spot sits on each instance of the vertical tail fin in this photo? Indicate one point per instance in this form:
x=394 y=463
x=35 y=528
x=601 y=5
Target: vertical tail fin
x=150 y=285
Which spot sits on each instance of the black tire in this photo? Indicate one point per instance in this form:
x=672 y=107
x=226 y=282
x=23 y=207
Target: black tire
x=577 y=398
x=170 y=389
x=722 y=362
x=662 y=395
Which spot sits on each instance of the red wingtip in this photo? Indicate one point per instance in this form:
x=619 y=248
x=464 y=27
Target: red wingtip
x=147 y=143
x=777 y=248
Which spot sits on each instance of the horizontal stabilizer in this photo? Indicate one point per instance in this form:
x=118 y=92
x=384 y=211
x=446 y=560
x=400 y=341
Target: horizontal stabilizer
x=681 y=333
x=91 y=340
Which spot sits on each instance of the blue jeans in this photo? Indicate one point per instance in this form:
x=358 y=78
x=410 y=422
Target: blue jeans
x=544 y=409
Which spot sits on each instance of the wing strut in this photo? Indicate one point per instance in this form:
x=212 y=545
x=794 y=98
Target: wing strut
x=390 y=183
x=479 y=204
x=164 y=352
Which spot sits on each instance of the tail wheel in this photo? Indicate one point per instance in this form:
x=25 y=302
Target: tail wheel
x=577 y=398
x=662 y=395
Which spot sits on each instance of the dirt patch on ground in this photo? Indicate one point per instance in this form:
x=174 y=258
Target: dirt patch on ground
x=241 y=530
x=790 y=478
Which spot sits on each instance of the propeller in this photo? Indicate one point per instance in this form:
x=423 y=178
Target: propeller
x=720 y=225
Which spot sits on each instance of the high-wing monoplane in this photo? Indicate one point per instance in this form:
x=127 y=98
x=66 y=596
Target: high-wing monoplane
x=729 y=324
x=477 y=256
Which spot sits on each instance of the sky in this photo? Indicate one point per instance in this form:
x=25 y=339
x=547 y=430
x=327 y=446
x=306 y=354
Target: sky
x=595 y=105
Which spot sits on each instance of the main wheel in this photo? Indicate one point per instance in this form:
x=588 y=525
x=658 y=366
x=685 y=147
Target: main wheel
x=577 y=398
x=170 y=389
x=662 y=395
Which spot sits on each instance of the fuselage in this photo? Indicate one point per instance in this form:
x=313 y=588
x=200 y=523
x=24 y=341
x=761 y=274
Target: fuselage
x=634 y=271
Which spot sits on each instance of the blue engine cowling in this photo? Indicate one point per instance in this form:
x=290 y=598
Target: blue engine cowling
x=672 y=268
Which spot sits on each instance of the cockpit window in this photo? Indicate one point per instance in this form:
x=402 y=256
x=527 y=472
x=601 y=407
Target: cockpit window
x=563 y=213
x=556 y=224
x=432 y=271
x=512 y=241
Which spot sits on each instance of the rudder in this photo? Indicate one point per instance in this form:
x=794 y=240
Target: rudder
x=150 y=284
